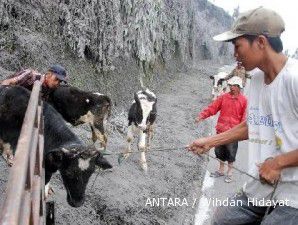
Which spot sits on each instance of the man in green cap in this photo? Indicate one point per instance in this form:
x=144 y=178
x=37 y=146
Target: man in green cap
x=271 y=126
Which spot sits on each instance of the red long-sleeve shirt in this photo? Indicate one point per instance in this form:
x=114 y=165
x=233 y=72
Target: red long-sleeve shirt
x=232 y=111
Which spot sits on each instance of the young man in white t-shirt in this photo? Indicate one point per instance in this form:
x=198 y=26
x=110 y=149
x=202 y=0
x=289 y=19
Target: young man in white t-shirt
x=271 y=126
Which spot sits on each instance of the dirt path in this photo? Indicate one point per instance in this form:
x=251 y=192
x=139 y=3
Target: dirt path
x=125 y=195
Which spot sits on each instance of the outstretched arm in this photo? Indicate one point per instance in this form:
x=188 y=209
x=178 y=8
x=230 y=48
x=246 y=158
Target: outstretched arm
x=10 y=81
x=210 y=110
x=18 y=77
x=237 y=133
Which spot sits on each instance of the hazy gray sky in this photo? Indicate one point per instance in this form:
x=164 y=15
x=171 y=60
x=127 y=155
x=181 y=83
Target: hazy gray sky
x=286 y=8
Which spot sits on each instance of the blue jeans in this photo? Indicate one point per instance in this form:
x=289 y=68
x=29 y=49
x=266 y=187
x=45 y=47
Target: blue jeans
x=247 y=214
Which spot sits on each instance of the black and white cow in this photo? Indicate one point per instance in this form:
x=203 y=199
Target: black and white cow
x=63 y=150
x=141 y=117
x=220 y=84
x=78 y=107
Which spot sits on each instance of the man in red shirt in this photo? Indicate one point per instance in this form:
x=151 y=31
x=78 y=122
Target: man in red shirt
x=232 y=107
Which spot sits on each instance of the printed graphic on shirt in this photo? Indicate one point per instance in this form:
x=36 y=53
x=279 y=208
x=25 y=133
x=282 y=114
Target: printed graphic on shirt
x=278 y=142
x=254 y=118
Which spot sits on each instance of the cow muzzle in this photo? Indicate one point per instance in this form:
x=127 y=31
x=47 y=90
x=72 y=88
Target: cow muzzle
x=75 y=202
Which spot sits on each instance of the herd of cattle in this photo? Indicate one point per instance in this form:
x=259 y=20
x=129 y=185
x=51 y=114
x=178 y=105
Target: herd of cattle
x=63 y=150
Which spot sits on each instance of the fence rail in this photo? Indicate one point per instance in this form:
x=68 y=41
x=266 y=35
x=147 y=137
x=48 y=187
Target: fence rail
x=24 y=201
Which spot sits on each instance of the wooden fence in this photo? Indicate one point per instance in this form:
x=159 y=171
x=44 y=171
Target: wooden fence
x=24 y=202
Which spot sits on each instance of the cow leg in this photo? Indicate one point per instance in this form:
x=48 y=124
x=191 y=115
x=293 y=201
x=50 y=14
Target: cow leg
x=7 y=153
x=94 y=137
x=97 y=135
x=149 y=136
x=48 y=191
x=129 y=139
x=142 y=148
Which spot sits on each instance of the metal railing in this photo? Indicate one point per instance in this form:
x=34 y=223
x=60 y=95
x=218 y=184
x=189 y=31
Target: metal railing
x=24 y=200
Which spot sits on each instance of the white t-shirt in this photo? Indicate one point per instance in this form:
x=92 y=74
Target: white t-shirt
x=272 y=118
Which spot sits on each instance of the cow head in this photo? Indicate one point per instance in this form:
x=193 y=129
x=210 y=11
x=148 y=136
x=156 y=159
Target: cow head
x=76 y=165
x=146 y=102
x=219 y=84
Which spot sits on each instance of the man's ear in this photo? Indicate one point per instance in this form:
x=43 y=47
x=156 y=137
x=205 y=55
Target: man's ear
x=53 y=161
x=262 y=41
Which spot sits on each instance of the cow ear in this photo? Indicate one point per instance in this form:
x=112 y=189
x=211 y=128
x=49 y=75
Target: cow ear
x=211 y=77
x=102 y=162
x=54 y=160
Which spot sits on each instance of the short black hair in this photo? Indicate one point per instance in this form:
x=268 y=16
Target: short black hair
x=275 y=42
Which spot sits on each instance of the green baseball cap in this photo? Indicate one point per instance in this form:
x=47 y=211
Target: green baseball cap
x=259 y=21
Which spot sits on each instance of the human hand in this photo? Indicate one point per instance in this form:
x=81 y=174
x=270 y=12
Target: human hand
x=200 y=146
x=5 y=82
x=269 y=171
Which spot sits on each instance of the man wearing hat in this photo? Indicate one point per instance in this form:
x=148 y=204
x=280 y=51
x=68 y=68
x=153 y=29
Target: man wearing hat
x=50 y=80
x=232 y=108
x=271 y=126
x=239 y=71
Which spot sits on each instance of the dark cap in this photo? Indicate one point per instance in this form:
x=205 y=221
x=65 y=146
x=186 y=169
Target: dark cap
x=259 y=21
x=59 y=71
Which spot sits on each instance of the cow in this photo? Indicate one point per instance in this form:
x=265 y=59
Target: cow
x=78 y=107
x=141 y=117
x=63 y=150
x=220 y=84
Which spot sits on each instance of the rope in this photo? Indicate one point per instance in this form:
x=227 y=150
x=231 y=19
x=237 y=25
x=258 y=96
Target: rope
x=212 y=157
x=147 y=151
x=94 y=181
x=235 y=168
x=206 y=153
x=271 y=198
